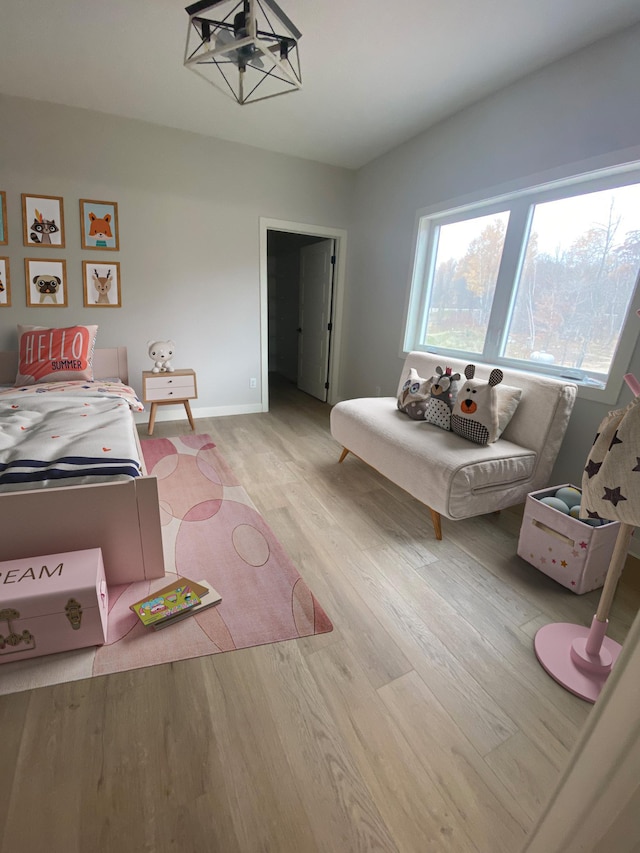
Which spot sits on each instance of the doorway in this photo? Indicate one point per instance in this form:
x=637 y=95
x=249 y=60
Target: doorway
x=302 y=274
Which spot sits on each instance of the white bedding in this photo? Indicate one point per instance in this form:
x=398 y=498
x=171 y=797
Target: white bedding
x=67 y=433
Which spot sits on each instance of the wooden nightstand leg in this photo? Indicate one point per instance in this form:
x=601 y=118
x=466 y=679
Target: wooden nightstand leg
x=152 y=417
x=189 y=415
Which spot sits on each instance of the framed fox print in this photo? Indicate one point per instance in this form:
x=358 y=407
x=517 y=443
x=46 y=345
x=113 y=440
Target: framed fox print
x=4 y=236
x=101 y=284
x=43 y=221
x=99 y=224
x=5 y=283
x=46 y=282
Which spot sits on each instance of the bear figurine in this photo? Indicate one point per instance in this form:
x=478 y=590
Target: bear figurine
x=161 y=353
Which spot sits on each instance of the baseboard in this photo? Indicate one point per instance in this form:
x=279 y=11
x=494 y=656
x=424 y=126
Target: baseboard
x=177 y=413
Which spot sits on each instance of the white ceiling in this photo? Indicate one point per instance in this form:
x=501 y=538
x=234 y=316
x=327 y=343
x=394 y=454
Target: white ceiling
x=375 y=74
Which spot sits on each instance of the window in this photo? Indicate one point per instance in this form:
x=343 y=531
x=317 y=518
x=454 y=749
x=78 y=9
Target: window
x=541 y=280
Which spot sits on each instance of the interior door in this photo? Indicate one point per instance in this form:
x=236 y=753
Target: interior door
x=314 y=338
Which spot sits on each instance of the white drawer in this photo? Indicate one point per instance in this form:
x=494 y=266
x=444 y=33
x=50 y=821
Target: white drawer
x=166 y=387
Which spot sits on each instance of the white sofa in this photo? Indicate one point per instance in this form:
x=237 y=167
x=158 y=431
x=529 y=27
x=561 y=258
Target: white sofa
x=454 y=477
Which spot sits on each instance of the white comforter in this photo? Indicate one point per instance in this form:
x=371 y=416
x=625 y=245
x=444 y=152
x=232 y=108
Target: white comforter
x=67 y=433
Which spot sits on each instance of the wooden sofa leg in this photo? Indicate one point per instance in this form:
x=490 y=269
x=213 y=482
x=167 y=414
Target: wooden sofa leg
x=344 y=454
x=437 y=525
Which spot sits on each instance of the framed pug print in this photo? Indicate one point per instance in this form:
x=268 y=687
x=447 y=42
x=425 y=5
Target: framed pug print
x=99 y=224
x=5 y=283
x=43 y=221
x=46 y=282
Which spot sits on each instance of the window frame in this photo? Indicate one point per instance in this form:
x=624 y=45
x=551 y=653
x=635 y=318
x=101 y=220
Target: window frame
x=521 y=206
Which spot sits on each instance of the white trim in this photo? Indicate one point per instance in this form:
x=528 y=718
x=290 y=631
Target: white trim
x=340 y=236
x=177 y=413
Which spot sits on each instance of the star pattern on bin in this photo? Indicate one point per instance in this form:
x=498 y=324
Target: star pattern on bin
x=615 y=440
x=613 y=495
x=583 y=545
x=637 y=468
x=593 y=514
x=563 y=563
x=592 y=468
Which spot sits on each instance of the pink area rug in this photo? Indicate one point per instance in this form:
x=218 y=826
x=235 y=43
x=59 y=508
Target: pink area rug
x=212 y=531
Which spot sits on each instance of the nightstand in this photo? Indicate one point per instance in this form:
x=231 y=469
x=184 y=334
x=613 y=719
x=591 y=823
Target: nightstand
x=168 y=389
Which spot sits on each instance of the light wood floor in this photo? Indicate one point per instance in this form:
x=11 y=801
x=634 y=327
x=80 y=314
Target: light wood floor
x=423 y=722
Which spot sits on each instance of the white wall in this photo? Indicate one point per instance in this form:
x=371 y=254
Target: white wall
x=189 y=209
x=584 y=110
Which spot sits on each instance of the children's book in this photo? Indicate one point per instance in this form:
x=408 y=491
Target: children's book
x=182 y=595
x=212 y=597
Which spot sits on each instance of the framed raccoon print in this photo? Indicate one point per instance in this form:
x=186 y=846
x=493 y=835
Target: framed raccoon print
x=99 y=224
x=43 y=221
x=46 y=282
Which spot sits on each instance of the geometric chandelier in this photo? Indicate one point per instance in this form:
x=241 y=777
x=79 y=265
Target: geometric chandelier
x=248 y=49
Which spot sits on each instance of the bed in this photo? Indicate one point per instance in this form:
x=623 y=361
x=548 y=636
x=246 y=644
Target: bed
x=115 y=510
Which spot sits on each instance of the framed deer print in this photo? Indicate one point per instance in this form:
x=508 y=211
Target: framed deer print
x=43 y=221
x=5 y=283
x=101 y=284
x=4 y=236
x=46 y=282
x=99 y=224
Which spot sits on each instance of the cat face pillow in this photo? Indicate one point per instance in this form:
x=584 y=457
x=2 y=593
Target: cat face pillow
x=414 y=395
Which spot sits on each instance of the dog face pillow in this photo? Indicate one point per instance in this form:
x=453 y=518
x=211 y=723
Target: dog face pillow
x=414 y=395
x=442 y=396
x=161 y=353
x=475 y=414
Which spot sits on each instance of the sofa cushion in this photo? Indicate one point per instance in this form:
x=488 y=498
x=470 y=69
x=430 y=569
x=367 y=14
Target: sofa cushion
x=414 y=395
x=539 y=422
x=483 y=408
x=453 y=476
x=442 y=397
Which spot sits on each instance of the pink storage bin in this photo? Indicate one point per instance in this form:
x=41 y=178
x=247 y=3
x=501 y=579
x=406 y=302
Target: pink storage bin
x=571 y=552
x=52 y=603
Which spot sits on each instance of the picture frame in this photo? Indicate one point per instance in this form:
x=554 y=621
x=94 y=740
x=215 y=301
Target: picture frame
x=46 y=293
x=99 y=225
x=101 y=284
x=5 y=283
x=41 y=214
x=4 y=234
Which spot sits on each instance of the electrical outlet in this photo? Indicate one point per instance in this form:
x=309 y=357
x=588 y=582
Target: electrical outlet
x=253 y=382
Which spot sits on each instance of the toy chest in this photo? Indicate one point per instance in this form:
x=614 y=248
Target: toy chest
x=51 y=604
x=567 y=549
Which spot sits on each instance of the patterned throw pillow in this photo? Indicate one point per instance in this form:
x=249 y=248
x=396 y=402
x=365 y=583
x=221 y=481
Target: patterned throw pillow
x=55 y=355
x=414 y=395
x=482 y=411
x=442 y=396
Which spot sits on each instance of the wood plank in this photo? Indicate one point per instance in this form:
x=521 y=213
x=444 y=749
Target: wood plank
x=488 y=810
